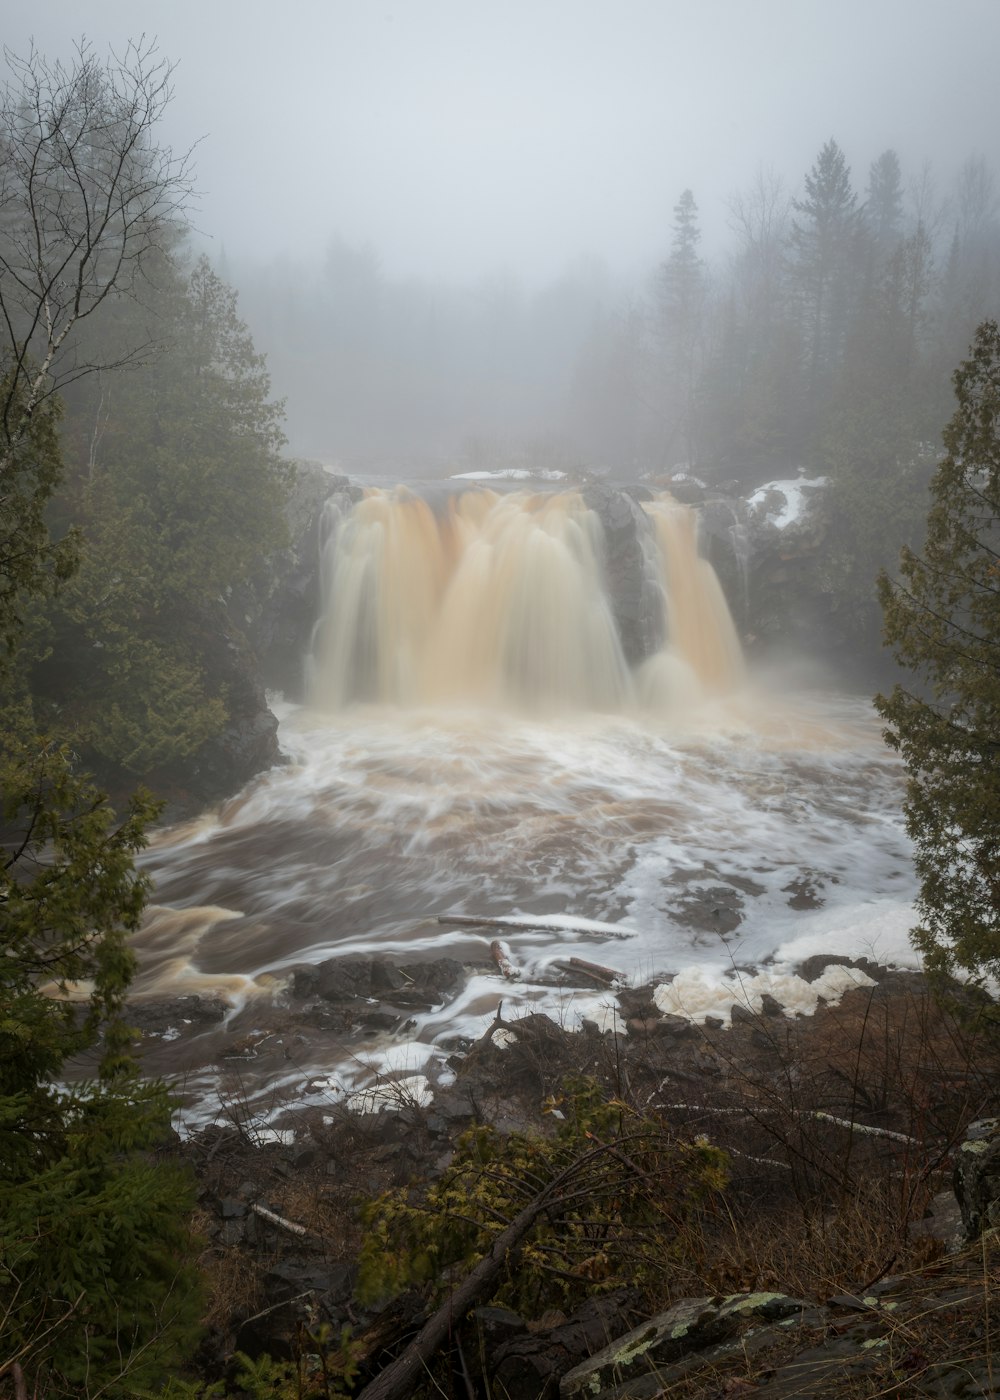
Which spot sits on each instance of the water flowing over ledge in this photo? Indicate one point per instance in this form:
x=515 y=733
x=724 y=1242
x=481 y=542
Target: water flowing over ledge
x=510 y=601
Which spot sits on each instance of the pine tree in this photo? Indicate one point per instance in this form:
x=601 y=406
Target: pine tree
x=884 y=205
x=682 y=304
x=97 y=1287
x=824 y=244
x=942 y=619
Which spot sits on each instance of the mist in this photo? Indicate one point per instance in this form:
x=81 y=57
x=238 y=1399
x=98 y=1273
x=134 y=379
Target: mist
x=448 y=223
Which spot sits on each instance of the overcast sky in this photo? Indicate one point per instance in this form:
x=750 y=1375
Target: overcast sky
x=461 y=136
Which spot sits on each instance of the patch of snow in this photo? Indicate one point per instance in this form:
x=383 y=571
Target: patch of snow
x=509 y=474
x=413 y=1091
x=880 y=932
x=284 y=1137
x=795 y=500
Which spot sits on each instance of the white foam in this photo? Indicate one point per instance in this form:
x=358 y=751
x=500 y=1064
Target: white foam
x=698 y=993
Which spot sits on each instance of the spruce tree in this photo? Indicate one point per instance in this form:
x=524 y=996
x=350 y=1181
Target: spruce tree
x=682 y=305
x=824 y=244
x=942 y=619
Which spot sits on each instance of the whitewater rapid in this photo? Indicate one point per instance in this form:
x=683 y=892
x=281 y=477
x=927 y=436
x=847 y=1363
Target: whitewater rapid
x=693 y=851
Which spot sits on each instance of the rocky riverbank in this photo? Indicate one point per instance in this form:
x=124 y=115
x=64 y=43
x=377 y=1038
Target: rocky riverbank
x=822 y=1266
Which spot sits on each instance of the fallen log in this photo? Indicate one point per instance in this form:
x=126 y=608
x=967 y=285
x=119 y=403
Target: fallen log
x=504 y=961
x=523 y=921
x=607 y=976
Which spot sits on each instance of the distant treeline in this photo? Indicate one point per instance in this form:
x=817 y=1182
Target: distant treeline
x=836 y=299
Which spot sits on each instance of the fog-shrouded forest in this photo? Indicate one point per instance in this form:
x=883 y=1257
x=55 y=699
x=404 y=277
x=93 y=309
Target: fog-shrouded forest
x=838 y=293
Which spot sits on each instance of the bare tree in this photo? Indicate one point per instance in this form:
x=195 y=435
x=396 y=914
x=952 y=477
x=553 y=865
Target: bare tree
x=87 y=194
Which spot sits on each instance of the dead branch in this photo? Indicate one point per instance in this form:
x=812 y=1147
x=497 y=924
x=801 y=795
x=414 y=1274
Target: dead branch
x=815 y=1113
x=399 y=1378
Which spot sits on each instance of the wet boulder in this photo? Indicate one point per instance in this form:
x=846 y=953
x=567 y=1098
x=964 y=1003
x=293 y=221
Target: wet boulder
x=691 y=1325
x=379 y=978
x=977 y=1177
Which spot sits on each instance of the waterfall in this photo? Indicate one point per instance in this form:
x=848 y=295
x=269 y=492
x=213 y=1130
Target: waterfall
x=703 y=652
x=506 y=600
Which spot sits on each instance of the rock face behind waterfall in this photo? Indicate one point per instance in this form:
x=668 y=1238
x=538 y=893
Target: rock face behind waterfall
x=281 y=607
x=258 y=638
x=632 y=574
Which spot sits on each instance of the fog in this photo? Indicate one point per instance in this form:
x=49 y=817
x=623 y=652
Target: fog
x=461 y=137
x=435 y=211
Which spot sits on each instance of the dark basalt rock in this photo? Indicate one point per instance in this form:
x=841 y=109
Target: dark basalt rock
x=279 y=609
x=249 y=743
x=632 y=570
x=529 y=1366
x=407 y=985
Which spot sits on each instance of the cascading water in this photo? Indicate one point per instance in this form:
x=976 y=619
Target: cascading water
x=476 y=743
x=503 y=600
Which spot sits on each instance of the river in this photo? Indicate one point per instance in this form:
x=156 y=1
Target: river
x=691 y=836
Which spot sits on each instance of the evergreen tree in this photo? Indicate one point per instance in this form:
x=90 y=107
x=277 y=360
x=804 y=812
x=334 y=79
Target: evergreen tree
x=181 y=502
x=97 y=1285
x=824 y=243
x=753 y=375
x=942 y=619
x=884 y=205
x=682 y=303
x=31 y=564
x=96 y=1290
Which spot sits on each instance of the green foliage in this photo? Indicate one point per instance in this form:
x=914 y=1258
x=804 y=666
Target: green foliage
x=31 y=564
x=942 y=619
x=632 y=1210
x=323 y=1368
x=190 y=451
x=95 y=1287
x=181 y=499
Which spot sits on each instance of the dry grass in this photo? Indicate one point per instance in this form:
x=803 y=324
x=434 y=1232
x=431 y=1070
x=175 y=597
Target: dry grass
x=233 y=1279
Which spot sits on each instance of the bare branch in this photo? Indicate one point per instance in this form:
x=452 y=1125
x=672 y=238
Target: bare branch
x=87 y=197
